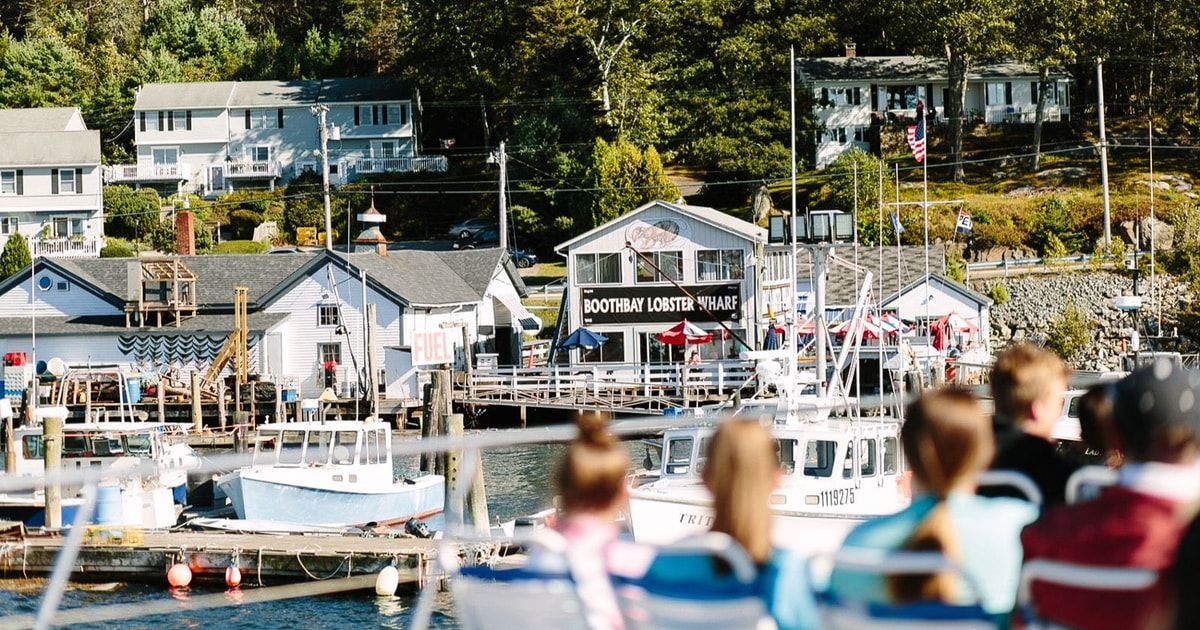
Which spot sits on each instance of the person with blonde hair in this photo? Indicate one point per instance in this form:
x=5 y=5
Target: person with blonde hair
x=1028 y=386
x=947 y=442
x=741 y=471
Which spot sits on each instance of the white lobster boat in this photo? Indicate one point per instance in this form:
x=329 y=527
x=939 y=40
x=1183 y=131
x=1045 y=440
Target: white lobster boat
x=334 y=473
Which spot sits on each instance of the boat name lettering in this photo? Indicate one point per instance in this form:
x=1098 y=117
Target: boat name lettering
x=702 y=520
x=841 y=496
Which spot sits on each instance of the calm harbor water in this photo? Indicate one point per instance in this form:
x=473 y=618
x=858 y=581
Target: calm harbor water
x=519 y=481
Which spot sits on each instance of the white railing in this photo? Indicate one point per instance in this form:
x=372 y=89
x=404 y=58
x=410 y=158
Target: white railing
x=252 y=169
x=147 y=172
x=68 y=247
x=419 y=164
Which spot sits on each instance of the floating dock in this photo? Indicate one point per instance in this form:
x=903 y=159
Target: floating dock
x=132 y=555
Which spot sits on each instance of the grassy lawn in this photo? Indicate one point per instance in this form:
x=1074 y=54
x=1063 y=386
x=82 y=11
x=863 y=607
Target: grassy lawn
x=544 y=272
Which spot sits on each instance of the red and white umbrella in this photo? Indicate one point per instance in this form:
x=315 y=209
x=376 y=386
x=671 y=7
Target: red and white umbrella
x=955 y=323
x=684 y=333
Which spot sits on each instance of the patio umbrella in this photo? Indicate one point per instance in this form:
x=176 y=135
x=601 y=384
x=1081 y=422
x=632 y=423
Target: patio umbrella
x=585 y=338
x=771 y=341
x=956 y=323
x=684 y=333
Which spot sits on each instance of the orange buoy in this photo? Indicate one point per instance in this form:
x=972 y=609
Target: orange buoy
x=233 y=576
x=179 y=575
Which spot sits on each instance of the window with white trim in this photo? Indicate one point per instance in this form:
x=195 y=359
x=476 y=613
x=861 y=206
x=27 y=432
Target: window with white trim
x=660 y=267
x=60 y=227
x=329 y=352
x=8 y=182
x=66 y=181
x=327 y=315
x=598 y=268
x=397 y=115
x=162 y=156
x=714 y=265
x=8 y=225
x=263 y=118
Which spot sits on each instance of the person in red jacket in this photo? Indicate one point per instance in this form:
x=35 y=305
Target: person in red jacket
x=1139 y=521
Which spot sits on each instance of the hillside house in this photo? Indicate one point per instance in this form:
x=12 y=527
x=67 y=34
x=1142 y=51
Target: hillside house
x=50 y=189
x=853 y=97
x=210 y=138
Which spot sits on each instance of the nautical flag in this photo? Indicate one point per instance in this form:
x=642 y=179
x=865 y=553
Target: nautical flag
x=899 y=229
x=916 y=134
x=964 y=225
x=446 y=142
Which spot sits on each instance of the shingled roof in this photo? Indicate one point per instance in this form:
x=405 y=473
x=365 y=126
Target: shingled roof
x=844 y=280
x=903 y=69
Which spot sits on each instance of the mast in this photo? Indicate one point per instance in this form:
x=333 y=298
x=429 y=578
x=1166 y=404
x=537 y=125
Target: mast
x=793 y=332
x=1103 y=152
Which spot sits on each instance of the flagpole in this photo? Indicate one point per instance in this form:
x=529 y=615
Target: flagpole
x=925 y=205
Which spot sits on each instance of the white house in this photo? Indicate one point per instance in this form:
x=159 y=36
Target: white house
x=50 y=188
x=657 y=265
x=854 y=96
x=208 y=138
x=303 y=310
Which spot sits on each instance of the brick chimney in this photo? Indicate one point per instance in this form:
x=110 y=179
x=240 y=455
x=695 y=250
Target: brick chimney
x=850 y=50
x=185 y=235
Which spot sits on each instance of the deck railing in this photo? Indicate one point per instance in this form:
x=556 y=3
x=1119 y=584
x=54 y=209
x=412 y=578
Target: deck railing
x=67 y=247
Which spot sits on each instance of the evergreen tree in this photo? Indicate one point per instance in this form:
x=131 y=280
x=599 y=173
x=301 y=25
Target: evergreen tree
x=15 y=256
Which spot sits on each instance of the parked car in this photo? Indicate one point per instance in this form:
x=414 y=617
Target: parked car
x=486 y=237
x=522 y=258
x=470 y=227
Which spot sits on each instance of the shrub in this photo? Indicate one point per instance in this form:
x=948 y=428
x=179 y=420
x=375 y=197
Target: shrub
x=243 y=223
x=240 y=247
x=1070 y=332
x=15 y=256
x=117 y=248
x=998 y=292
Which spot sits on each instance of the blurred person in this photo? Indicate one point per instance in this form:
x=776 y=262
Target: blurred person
x=741 y=471
x=947 y=442
x=1096 y=428
x=591 y=493
x=1185 y=579
x=1028 y=384
x=1137 y=522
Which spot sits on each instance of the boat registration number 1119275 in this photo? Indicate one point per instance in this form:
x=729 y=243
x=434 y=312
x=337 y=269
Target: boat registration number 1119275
x=830 y=498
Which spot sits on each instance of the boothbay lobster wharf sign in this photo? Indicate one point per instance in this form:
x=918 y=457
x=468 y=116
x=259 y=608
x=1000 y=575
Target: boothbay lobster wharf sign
x=633 y=305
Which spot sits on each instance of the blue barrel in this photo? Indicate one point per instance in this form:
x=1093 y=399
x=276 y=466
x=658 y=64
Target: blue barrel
x=133 y=390
x=108 y=505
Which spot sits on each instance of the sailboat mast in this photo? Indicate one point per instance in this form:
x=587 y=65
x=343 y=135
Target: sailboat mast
x=793 y=332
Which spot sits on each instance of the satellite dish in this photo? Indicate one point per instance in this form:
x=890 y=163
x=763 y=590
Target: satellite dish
x=56 y=366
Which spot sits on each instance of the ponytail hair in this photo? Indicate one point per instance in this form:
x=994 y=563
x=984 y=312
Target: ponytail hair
x=740 y=472
x=947 y=441
x=591 y=477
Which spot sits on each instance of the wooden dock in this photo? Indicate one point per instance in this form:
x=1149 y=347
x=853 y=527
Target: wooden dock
x=129 y=554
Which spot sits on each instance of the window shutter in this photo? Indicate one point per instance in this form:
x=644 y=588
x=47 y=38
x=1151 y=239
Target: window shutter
x=928 y=96
x=170 y=121
x=385 y=116
x=858 y=96
x=142 y=121
x=53 y=181
x=404 y=114
x=247 y=119
x=874 y=98
x=824 y=96
x=357 y=116
x=1033 y=89
x=375 y=115
x=78 y=181
x=1008 y=92
x=189 y=120
x=20 y=182
x=279 y=115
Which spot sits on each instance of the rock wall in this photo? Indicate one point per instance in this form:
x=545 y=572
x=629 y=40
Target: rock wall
x=1035 y=301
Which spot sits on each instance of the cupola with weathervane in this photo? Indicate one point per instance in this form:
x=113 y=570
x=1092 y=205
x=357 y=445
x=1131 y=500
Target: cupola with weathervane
x=371 y=237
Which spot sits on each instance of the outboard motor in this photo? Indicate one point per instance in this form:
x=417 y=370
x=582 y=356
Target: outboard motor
x=418 y=528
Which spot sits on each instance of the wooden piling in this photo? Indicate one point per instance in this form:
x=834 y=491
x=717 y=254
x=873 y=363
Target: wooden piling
x=221 y=403
x=440 y=406
x=477 y=509
x=161 y=396
x=197 y=419
x=52 y=441
x=10 y=448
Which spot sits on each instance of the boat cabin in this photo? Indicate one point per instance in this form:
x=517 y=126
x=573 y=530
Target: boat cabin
x=324 y=444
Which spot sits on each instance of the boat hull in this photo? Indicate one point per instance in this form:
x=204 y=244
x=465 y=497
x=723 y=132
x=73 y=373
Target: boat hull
x=259 y=498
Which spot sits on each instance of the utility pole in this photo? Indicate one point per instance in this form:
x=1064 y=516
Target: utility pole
x=1104 y=154
x=502 y=159
x=323 y=132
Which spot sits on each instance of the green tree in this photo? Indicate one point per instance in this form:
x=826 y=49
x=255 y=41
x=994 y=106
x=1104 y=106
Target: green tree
x=129 y=213
x=15 y=256
x=621 y=178
x=39 y=71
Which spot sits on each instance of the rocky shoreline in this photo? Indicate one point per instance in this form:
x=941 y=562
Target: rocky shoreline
x=1035 y=301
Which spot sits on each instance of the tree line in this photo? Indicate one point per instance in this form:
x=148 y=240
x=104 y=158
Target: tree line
x=591 y=96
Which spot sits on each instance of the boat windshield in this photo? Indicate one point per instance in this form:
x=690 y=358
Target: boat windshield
x=679 y=455
x=137 y=444
x=318 y=447
x=32 y=447
x=786 y=450
x=291 y=447
x=344 y=445
x=819 y=457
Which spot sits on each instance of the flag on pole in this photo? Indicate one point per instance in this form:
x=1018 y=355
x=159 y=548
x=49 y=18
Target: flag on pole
x=916 y=134
x=964 y=225
x=899 y=229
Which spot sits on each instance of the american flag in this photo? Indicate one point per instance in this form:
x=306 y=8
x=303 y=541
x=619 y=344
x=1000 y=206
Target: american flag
x=916 y=134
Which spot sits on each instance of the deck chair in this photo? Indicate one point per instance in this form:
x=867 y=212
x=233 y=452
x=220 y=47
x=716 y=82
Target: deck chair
x=842 y=612
x=1013 y=479
x=1081 y=576
x=487 y=598
x=650 y=604
x=1086 y=482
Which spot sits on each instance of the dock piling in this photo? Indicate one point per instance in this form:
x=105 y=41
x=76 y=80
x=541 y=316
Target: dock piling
x=52 y=438
x=197 y=421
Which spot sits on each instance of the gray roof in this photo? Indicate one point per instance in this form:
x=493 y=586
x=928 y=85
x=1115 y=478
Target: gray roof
x=219 y=95
x=50 y=148
x=904 y=69
x=274 y=93
x=422 y=278
x=217 y=324
x=36 y=119
x=200 y=95
x=476 y=267
x=842 y=284
x=708 y=215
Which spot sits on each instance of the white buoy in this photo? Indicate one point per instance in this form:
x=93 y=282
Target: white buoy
x=388 y=580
